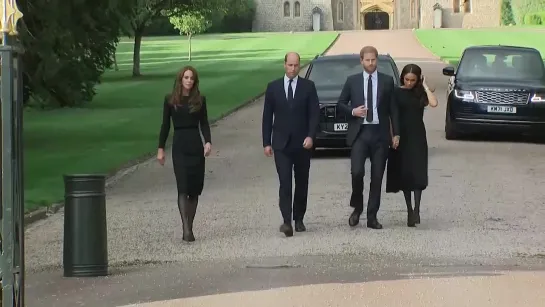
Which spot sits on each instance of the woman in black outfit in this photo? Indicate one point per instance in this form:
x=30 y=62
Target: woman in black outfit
x=187 y=109
x=408 y=160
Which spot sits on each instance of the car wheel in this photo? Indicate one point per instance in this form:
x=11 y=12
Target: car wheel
x=450 y=130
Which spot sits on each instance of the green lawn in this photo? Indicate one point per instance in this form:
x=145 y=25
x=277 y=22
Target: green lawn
x=122 y=123
x=450 y=43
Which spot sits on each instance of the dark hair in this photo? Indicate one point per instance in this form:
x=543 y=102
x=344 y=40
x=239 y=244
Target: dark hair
x=418 y=87
x=368 y=49
x=195 y=98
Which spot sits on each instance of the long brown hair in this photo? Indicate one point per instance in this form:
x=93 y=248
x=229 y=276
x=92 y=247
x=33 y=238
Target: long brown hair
x=195 y=98
x=418 y=87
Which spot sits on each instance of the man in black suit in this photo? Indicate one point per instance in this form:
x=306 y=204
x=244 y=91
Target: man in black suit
x=372 y=108
x=293 y=102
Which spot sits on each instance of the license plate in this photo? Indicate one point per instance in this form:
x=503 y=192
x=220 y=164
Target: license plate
x=340 y=127
x=502 y=109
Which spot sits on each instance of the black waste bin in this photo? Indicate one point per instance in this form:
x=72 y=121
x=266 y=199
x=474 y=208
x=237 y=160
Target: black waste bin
x=85 y=250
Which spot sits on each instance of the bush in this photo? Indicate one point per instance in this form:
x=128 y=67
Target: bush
x=537 y=18
x=507 y=13
x=521 y=8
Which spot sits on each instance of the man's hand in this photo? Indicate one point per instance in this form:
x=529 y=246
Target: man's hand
x=268 y=151
x=307 y=143
x=360 y=111
x=395 y=142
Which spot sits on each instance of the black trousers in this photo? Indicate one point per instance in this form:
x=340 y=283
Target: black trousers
x=368 y=144
x=293 y=162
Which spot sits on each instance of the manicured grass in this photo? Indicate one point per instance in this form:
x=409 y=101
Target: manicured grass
x=450 y=43
x=122 y=123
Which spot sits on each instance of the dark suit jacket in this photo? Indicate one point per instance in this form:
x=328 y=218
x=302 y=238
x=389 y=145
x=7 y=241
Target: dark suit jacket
x=387 y=106
x=290 y=124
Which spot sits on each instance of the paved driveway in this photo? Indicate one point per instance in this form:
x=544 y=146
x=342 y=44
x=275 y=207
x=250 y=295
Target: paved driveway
x=484 y=207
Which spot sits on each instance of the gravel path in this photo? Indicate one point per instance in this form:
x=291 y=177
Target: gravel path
x=484 y=203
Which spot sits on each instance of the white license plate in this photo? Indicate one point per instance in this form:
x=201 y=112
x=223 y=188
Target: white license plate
x=502 y=109
x=340 y=127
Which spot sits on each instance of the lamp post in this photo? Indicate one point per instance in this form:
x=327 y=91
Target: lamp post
x=12 y=198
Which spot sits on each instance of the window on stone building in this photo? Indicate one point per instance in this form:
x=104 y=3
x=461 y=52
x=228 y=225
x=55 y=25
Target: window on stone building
x=467 y=6
x=413 y=9
x=456 y=6
x=340 y=11
x=297 y=9
x=287 y=9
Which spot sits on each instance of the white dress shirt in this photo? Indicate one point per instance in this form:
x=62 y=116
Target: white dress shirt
x=374 y=79
x=293 y=85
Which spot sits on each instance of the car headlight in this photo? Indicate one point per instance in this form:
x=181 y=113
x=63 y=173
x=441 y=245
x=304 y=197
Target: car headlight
x=538 y=97
x=464 y=95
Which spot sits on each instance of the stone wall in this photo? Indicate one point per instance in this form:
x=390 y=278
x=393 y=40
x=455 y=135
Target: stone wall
x=349 y=18
x=270 y=16
x=483 y=13
x=406 y=14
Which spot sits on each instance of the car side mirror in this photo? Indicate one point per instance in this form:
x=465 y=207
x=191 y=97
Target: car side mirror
x=448 y=71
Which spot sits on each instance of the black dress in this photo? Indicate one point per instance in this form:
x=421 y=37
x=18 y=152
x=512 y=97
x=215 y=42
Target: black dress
x=187 y=146
x=408 y=165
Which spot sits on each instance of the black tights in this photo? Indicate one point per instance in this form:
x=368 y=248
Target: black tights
x=417 y=198
x=188 y=209
x=413 y=214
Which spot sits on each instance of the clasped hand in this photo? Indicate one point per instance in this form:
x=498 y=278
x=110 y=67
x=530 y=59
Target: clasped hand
x=360 y=111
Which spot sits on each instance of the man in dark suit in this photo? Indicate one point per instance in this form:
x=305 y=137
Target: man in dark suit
x=372 y=108
x=293 y=102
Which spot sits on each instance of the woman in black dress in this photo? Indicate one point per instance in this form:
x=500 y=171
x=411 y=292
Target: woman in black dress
x=408 y=159
x=187 y=109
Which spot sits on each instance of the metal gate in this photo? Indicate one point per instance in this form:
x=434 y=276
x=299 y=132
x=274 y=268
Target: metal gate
x=12 y=197
x=376 y=20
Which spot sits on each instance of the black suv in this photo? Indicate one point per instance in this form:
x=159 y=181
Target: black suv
x=329 y=73
x=495 y=88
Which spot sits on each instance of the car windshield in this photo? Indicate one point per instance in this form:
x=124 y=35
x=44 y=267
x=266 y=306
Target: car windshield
x=501 y=64
x=333 y=73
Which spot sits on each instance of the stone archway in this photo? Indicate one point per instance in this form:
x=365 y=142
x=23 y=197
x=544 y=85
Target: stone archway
x=377 y=15
x=317 y=19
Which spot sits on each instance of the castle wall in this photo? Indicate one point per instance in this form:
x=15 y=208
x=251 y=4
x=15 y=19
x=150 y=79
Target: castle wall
x=270 y=16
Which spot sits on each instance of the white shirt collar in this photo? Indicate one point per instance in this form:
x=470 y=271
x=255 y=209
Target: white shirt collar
x=286 y=79
x=373 y=75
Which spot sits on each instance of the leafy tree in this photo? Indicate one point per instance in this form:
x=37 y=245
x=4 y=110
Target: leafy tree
x=523 y=7
x=146 y=11
x=189 y=24
x=68 y=46
x=507 y=13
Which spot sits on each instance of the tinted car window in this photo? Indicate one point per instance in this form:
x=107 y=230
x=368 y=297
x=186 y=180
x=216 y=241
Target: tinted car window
x=501 y=64
x=334 y=72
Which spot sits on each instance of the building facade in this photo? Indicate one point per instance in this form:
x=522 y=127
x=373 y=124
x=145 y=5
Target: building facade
x=338 y=15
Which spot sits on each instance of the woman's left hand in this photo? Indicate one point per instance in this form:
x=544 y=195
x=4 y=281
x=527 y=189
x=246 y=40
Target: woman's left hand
x=207 y=149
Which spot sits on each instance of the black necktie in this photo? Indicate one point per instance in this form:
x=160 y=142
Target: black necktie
x=369 y=105
x=290 y=92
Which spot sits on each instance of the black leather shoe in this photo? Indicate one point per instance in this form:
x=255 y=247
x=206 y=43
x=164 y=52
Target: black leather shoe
x=300 y=226
x=374 y=224
x=287 y=229
x=354 y=218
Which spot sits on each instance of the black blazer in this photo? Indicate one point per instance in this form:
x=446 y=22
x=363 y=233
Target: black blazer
x=386 y=106
x=285 y=123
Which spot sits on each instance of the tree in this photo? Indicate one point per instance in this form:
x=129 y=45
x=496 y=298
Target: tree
x=145 y=11
x=523 y=7
x=189 y=24
x=507 y=13
x=68 y=47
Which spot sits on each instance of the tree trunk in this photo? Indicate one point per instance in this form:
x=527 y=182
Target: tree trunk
x=115 y=62
x=138 y=33
x=189 y=47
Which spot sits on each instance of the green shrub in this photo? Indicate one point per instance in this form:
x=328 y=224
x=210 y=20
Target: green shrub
x=537 y=18
x=507 y=13
x=521 y=8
